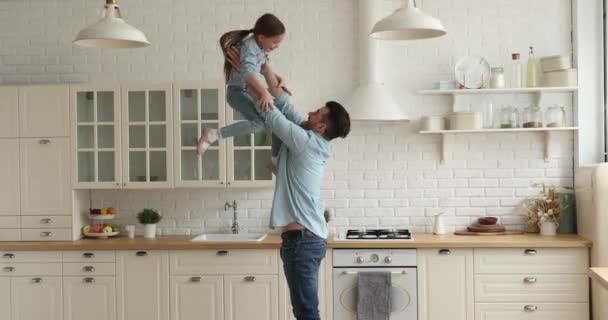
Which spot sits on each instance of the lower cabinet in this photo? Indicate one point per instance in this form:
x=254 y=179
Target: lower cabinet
x=324 y=292
x=91 y=298
x=142 y=285
x=35 y=298
x=5 y=298
x=251 y=297
x=535 y=311
x=445 y=284
x=197 y=297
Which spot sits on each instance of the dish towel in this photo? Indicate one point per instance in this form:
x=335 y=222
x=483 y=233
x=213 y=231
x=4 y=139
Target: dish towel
x=373 y=295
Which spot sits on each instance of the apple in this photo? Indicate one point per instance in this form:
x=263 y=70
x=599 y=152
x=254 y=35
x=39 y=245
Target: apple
x=107 y=229
x=96 y=229
x=115 y=228
x=86 y=229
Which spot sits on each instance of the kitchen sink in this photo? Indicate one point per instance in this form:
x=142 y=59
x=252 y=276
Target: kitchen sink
x=229 y=237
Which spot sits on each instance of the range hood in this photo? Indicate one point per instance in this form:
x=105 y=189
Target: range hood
x=371 y=101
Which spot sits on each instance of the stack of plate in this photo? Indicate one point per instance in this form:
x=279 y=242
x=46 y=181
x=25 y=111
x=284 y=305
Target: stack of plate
x=486 y=228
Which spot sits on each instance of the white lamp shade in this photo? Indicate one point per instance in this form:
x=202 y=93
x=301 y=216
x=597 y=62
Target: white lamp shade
x=408 y=23
x=111 y=32
x=372 y=102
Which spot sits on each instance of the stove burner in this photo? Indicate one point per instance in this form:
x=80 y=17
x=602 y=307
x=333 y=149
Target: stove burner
x=378 y=234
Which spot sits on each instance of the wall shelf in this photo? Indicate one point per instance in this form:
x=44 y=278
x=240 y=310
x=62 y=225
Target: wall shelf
x=447 y=134
x=498 y=91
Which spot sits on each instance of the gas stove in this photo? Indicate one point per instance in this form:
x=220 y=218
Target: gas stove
x=376 y=234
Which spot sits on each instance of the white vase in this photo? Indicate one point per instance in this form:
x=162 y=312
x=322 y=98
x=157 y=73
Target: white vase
x=150 y=231
x=548 y=229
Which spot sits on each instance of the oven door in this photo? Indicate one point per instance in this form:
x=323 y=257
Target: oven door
x=403 y=293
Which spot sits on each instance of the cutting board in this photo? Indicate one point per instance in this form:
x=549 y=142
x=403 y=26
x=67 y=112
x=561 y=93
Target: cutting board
x=486 y=228
x=471 y=233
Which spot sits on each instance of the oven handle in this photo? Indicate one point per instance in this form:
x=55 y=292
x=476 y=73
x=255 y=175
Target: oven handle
x=355 y=272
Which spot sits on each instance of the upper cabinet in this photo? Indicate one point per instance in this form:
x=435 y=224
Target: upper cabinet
x=43 y=111
x=9 y=112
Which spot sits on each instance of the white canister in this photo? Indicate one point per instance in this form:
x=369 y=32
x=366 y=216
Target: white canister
x=466 y=121
x=556 y=63
x=562 y=78
x=432 y=123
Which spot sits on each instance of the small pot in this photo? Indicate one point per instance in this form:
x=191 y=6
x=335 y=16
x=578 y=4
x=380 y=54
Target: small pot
x=150 y=231
x=548 y=229
x=487 y=220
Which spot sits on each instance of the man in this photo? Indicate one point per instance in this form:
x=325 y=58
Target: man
x=297 y=206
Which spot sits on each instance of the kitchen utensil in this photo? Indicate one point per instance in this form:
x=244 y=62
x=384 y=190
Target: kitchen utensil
x=130 y=231
x=470 y=233
x=556 y=63
x=439 y=225
x=487 y=220
x=466 y=121
x=472 y=72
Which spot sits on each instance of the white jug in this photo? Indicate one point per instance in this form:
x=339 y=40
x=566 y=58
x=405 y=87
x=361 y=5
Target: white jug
x=439 y=225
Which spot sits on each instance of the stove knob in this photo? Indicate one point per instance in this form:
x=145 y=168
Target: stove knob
x=360 y=260
x=374 y=258
x=388 y=259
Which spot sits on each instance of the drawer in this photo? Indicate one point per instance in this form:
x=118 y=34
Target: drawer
x=10 y=234
x=46 y=222
x=30 y=256
x=9 y=222
x=89 y=256
x=46 y=234
x=542 y=287
x=89 y=269
x=531 y=260
x=30 y=269
x=531 y=311
x=238 y=261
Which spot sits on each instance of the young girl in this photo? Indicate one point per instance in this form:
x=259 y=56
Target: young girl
x=245 y=87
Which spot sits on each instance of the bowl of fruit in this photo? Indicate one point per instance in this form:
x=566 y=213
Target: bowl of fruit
x=101 y=230
x=102 y=214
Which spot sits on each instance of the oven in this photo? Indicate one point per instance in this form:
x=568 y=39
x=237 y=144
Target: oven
x=401 y=263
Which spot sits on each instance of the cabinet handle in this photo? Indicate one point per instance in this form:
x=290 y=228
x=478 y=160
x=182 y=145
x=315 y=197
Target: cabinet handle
x=44 y=141
x=88 y=268
x=88 y=255
x=222 y=253
x=124 y=184
x=221 y=182
x=8 y=269
x=529 y=280
x=46 y=221
x=445 y=251
x=228 y=183
x=141 y=253
x=118 y=184
x=530 y=308
x=88 y=280
x=250 y=279
x=195 y=279
x=45 y=234
x=8 y=256
x=37 y=280
x=530 y=252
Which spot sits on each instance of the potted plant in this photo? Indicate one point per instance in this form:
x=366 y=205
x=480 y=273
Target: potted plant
x=149 y=218
x=545 y=210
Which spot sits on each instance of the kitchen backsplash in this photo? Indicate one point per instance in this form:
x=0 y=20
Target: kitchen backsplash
x=383 y=174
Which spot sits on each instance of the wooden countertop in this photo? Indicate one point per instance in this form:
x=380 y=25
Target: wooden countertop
x=273 y=241
x=600 y=275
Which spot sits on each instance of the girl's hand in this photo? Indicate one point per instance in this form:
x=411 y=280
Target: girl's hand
x=266 y=101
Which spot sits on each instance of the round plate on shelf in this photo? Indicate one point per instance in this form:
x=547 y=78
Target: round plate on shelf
x=473 y=72
x=101 y=235
x=101 y=216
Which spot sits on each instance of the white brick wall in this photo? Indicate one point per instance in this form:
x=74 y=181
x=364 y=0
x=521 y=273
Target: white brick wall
x=383 y=174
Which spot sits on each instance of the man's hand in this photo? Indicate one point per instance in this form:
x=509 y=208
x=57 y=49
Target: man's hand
x=233 y=56
x=282 y=84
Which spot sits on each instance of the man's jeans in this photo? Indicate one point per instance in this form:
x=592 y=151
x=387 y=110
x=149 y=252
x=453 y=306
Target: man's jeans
x=302 y=252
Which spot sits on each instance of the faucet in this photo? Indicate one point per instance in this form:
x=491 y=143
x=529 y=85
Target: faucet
x=235 y=225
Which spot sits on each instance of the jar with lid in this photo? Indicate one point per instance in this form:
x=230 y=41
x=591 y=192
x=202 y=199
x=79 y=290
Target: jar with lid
x=498 y=78
x=532 y=117
x=508 y=117
x=556 y=117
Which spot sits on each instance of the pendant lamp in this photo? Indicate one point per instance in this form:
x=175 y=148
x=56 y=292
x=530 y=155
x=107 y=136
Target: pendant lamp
x=408 y=23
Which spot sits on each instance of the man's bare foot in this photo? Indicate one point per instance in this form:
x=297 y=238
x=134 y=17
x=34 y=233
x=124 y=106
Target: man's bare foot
x=208 y=136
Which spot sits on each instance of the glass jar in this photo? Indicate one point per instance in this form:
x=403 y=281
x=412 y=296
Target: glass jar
x=508 y=118
x=556 y=117
x=498 y=78
x=532 y=118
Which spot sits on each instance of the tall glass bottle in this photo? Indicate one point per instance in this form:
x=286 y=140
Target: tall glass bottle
x=533 y=70
x=515 y=71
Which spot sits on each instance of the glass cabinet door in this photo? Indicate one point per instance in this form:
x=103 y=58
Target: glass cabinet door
x=249 y=157
x=147 y=136
x=199 y=105
x=95 y=136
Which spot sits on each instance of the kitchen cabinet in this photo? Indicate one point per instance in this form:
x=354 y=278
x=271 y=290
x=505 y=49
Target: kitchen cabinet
x=445 y=284
x=5 y=298
x=234 y=162
x=197 y=298
x=91 y=298
x=535 y=311
x=35 y=298
x=9 y=177
x=285 y=307
x=9 y=112
x=44 y=111
x=142 y=285
x=251 y=297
